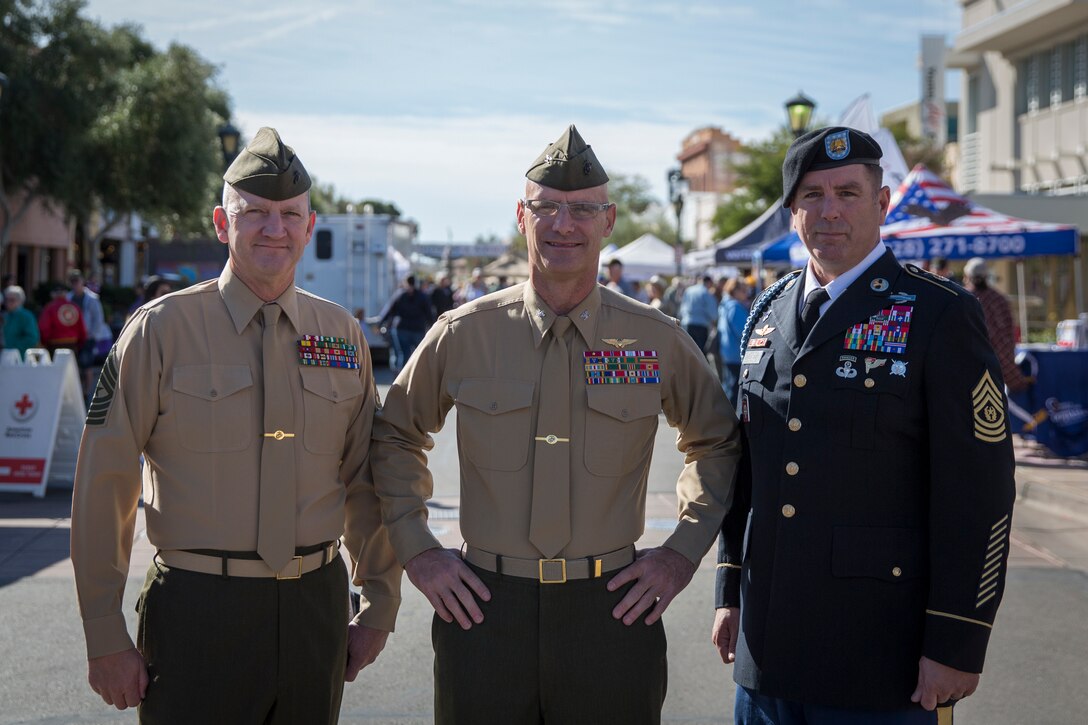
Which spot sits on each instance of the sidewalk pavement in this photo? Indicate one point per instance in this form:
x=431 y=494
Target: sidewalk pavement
x=1058 y=485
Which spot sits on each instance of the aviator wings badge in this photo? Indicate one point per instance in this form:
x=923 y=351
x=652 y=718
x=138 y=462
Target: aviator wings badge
x=619 y=342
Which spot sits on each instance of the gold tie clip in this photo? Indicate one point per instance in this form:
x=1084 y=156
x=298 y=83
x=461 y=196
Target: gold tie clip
x=551 y=440
x=279 y=435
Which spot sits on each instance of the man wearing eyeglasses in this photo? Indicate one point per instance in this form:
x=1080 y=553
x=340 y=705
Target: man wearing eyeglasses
x=549 y=614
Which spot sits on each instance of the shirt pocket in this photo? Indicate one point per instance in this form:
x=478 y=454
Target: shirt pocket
x=620 y=424
x=213 y=407
x=892 y=554
x=494 y=422
x=875 y=412
x=329 y=397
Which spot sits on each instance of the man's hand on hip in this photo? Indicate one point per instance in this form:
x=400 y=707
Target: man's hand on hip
x=119 y=678
x=364 y=646
x=939 y=683
x=659 y=575
x=448 y=584
x=725 y=632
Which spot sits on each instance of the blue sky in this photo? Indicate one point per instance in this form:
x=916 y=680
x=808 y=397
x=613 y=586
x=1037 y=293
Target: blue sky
x=440 y=106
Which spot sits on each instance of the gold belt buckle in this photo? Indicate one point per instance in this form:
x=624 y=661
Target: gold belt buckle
x=297 y=574
x=563 y=568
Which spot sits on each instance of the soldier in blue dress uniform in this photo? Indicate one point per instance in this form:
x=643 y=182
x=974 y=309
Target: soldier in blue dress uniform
x=862 y=563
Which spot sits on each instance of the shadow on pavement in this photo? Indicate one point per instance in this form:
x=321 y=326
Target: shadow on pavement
x=34 y=533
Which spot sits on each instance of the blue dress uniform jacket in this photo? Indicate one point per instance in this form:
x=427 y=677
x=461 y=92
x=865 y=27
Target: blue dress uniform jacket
x=874 y=498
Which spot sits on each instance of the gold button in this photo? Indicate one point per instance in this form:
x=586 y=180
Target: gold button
x=800 y=380
x=794 y=424
x=896 y=571
x=788 y=511
x=792 y=468
x=869 y=382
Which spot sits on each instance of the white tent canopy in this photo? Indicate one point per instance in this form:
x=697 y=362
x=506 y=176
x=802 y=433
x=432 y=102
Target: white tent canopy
x=643 y=258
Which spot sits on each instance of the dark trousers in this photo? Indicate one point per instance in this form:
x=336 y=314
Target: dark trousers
x=406 y=342
x=699 y=333
x=549 y=653
x=243 y=650
x=751 y=708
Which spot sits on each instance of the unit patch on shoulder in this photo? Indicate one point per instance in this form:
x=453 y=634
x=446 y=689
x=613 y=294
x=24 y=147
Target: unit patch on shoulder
x=103 y=394
x=989 y=410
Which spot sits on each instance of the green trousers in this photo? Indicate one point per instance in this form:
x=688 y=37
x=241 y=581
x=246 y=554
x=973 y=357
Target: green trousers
x=243 y=651
x=549 y=653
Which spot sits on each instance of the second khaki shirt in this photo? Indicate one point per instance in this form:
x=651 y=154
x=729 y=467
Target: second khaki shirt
x=485 y=358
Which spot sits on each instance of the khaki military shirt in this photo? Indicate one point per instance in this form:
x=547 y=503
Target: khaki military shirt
x=486 y=358
x=184 y=387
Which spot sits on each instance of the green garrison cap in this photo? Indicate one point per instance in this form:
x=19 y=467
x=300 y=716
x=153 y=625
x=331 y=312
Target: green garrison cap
x=826 y=148
x=568 y=164
x=268 y=168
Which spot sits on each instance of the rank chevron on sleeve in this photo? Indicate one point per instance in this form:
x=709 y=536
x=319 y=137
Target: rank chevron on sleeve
x=988 y=404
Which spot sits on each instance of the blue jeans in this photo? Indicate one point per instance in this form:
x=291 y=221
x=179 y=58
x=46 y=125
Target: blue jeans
x=731 y=381
x=405 y=343
x=752 y=708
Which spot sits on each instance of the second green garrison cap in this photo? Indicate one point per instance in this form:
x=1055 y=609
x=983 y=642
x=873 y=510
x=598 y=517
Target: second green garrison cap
x=568 y=164
x=268 y=168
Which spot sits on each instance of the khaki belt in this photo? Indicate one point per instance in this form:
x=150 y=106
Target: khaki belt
x=551 y=571
x=249 y=568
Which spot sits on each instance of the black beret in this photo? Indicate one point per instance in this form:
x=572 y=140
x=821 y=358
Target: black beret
x=568 y=164
x=826 y=148
x=268 y=168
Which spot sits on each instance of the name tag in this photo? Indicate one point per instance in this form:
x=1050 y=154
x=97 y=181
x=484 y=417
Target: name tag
x=751 y=357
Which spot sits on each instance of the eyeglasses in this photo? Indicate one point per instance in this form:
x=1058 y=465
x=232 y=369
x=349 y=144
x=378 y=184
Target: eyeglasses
x=578 y=210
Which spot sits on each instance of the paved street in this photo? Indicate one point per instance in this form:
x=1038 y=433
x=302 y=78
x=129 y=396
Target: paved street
x=1035 y=670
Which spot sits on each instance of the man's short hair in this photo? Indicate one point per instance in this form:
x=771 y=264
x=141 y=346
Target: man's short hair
x=615 y=261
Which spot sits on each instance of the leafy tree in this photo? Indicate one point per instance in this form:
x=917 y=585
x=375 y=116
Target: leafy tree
x=326 y=200
x=160 y=154
x=918 y=150
x=97 y=119
x=760 y=178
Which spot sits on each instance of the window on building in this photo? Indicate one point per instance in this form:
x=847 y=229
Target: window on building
x=323 y=244
x=1031 y=89
x=974 y=90
x=1080 y=68
x=1053 y=60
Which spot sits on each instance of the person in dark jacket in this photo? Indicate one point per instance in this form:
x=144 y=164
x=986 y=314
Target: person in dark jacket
x=411 y=310
x=442 y=296
x=867 y=542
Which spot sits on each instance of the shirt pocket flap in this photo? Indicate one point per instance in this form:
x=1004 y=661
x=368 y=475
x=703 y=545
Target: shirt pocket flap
x=756 y=370
x=495 y=397
x=624 y=405
x=212 y=382
x=891 y=554
x=333 y=384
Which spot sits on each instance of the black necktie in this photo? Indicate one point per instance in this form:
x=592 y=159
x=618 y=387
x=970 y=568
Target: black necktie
x=810 y=313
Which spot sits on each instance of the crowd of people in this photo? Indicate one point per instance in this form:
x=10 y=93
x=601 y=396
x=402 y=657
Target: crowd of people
x=73 y=319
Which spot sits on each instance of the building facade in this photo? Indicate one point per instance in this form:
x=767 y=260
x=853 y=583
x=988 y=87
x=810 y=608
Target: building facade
x=39 y=246
x=707 y=159
x=1024 y=129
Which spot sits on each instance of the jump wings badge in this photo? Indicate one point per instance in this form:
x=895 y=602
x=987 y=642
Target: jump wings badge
x=764 y=331
x=618 y=342
x=989 y=409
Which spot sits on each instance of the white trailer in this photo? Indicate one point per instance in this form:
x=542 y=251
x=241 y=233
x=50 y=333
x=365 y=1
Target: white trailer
x=350 y=260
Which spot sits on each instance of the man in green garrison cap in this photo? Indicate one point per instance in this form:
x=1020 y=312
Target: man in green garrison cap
x=550 y=614
x=251 y=403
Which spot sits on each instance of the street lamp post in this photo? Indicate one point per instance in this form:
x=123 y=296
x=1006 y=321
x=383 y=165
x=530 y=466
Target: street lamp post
x=228 y=142
x=677 y=187
x=799 y=113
